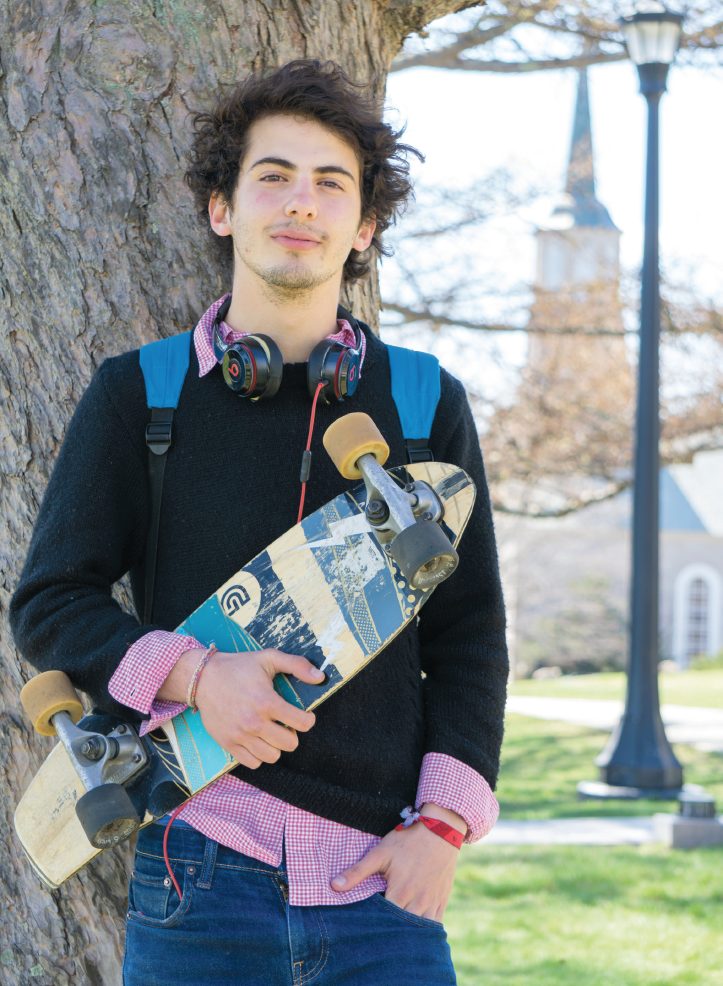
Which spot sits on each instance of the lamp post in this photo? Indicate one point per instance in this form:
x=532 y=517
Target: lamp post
x=638 y=760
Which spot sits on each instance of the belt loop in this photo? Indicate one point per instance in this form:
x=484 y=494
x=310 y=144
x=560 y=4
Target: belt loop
x=209 y=864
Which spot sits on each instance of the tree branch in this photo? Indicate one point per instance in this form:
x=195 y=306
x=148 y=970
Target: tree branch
x=442 y=58
x=592 y=23
x=409 y=316
x=571 y=508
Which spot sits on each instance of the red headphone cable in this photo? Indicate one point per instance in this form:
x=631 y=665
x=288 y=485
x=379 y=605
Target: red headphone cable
x=165 y=847
x=306 y=457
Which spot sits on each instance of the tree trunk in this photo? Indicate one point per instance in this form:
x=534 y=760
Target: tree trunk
x=101 y=252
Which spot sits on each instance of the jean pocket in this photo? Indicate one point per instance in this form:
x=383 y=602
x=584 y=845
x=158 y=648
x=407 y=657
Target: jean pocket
x=152 y=897
x=407 y=915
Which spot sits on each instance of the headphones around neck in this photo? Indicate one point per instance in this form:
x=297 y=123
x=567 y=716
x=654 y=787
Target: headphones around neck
x=253 y=366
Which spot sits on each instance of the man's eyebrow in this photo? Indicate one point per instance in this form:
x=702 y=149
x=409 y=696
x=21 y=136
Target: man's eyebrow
x=326 y=169
x=334 y=169
x=280 y=162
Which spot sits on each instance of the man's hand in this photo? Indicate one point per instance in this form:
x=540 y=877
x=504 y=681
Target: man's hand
x=238 y=703
x=418 y=866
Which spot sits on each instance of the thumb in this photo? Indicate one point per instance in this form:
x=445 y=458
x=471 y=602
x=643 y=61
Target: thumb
x=374 y=862
x=293 y=664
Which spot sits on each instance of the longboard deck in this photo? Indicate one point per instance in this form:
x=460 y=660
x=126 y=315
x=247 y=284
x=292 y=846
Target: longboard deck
x=325 y=590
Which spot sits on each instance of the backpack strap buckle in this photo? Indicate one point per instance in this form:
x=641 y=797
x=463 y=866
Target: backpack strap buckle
x=418 y=450
x=159 y=430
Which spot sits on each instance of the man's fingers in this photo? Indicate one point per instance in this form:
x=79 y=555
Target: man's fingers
x=423 y=905
x=279 y=736
x=302 y=669
x=243 y=756
x=375 y=861
x=291 y=715
x=293 y=664
x=259 y=748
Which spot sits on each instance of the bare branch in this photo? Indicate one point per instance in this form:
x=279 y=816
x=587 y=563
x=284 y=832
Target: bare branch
x=489 y=44
x=570 y=508
x=441 y=59
x=410 y=315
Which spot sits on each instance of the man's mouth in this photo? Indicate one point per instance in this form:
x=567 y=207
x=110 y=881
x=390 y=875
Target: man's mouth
x=294 y=239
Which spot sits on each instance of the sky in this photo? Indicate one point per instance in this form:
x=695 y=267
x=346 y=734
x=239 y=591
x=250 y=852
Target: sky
x=469 y=123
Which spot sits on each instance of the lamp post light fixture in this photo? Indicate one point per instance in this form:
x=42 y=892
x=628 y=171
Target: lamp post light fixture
x=638 y=761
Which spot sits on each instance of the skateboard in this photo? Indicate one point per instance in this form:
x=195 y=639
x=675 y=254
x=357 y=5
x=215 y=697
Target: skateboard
x=336 y=588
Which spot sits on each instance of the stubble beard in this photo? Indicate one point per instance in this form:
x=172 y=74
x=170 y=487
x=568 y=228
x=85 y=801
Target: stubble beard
x=293 y=279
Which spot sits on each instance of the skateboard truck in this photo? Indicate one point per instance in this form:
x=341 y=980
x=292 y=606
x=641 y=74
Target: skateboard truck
x=103 y=763
x=405 y=520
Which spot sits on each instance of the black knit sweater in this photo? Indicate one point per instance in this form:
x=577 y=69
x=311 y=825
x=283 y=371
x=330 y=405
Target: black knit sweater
x=231 y=488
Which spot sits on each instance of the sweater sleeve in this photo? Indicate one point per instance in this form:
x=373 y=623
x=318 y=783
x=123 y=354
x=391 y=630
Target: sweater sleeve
x=90 y=531
x=462 y=627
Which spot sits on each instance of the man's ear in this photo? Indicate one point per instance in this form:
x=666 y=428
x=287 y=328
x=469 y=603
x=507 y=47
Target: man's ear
x=219 y=215
x=364 y=236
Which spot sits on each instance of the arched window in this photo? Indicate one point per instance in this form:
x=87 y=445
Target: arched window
x=697 y=621
x=697 y=630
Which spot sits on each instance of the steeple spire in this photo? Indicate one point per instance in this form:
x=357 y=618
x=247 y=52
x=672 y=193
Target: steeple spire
x=580 y=201
x=580 y=170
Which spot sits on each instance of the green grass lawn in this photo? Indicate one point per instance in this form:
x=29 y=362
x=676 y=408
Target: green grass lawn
x=543 y=761
x=577 y=915
x=587 y=916
x=703 y=688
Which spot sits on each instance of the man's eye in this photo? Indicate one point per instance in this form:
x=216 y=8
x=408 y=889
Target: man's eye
x=272 y=178
x=331 y=184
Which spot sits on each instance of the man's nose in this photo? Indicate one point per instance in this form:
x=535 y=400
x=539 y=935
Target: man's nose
x=302 y=201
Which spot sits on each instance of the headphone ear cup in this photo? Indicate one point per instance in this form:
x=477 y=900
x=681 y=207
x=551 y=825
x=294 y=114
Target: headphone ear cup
x=337 y=367
x=239 y=369
x=316 y=372
x=253 y=367
x=269 y=366
x=347 y=374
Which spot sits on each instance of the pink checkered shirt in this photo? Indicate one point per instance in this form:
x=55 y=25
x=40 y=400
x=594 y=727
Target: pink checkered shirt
x=242 y=817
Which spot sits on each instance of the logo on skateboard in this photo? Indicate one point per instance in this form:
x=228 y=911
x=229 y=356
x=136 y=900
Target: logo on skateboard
x=240 y=600
x=234 y=598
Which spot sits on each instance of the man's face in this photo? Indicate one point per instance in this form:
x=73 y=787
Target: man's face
x=296 y=211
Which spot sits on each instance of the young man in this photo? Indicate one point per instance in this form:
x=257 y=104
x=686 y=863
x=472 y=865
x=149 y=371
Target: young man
x=290 y=868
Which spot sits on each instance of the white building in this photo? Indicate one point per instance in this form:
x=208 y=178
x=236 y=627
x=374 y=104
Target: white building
x=567 y=579
x=691 y=502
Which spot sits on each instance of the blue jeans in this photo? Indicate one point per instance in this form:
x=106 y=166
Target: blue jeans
x=233 y=926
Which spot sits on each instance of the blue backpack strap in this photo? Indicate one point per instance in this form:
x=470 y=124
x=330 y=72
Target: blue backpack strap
x=164 y=365
x=415 y=389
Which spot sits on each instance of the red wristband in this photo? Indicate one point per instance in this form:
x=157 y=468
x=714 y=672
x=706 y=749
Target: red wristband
x=439 y=828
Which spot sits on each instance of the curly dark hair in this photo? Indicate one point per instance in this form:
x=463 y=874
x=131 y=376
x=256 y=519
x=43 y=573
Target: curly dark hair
x=314 y=90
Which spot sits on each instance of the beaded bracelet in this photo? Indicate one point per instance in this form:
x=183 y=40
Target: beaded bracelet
x=205 y=658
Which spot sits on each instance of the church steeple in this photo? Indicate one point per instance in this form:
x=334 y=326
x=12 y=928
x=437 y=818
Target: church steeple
x=581 y=170
x=580 y=201
x=578 y=250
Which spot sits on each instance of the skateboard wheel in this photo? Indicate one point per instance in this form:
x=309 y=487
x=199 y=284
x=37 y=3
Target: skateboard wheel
x=107 y=816
x=350 y=437
x=424 y=554
x=45 y=695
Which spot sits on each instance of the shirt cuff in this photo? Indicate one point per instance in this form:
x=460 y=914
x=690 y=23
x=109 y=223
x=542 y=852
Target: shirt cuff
x=452 y=784
x=144 y=668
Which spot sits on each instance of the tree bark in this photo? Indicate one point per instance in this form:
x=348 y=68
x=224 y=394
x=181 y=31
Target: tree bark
x=102 y=252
